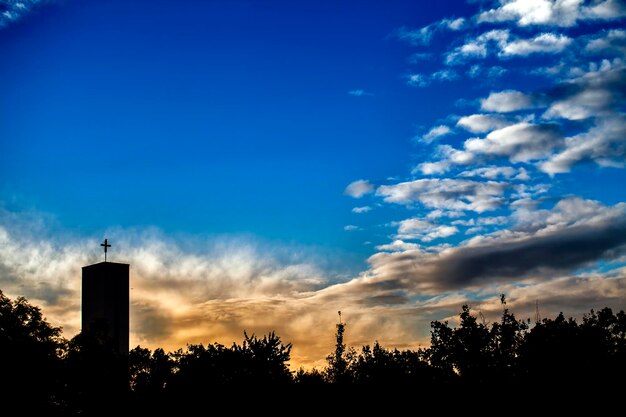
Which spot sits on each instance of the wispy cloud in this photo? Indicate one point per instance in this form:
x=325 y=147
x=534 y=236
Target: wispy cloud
x=417 y=80
x=424 y=35
x=424 y=230
x=496 y=172
x=421 y=80
x=495 y=71
x=435 y=133
x=501 y=43
x=12 y=11
x=359 y=93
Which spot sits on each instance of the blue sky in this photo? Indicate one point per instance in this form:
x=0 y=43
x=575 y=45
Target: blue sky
x=420 y=154
x=215 y=117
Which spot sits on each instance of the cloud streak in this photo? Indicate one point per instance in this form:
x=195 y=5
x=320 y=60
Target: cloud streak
x=571 y=235
x=424 y=35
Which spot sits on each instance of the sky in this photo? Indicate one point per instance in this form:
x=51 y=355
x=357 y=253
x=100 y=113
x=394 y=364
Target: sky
x=263 y=165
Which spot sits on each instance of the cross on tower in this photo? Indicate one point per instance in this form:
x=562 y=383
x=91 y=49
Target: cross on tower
x=106 y=246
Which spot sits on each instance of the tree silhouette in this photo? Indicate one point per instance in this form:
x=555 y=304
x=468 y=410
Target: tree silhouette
x=150 y=373
x=340 y=359
x=86 y=376
x=379 y=366
x=507 y=337
x=465 y=351
x=31 y=352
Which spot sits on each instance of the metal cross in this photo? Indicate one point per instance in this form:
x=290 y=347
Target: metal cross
x=106 y=246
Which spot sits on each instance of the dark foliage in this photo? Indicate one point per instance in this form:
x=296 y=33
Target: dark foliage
x=31 y=356
x=85 y=376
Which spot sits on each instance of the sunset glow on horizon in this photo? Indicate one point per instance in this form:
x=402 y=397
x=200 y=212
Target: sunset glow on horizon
x=264 y=165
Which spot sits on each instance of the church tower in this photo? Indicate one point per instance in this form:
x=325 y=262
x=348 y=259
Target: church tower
x=105 y=300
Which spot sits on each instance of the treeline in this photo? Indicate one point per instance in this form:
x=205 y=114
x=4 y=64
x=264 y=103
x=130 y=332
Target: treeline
x=84 y=375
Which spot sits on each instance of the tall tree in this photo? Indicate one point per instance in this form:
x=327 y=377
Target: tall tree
x=30 y=355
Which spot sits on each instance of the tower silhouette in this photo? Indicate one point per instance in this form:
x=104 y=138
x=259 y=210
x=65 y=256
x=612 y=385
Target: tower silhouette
x=105 y=301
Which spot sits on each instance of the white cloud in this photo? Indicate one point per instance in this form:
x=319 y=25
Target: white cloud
x=415 y=36
x=360 y=210
x=456 y=156
x=483 y=221
x=613 y=40
x=474 y=71
x=424 y=35
x=446 y=194
x=436 y=132
x=582 y=105
x=521 y=142
x=477 y=70
x=607 y=9
x=474 y=230
x=568 y=212
x=432 y=168
x=423 y=230
x=496 y=71
x=436 y=214
x=593 y=93
x=417 y=57
x=445 y=75
x=550 y=71
x=547 y=43
x=359 y=188
x=449 y=156
x=525 y=194
x=491 y=172
x=565 y=13
x=417 y=80
x=481 y=123
x=501 y=43
x=478 y=47
x=16 y=10
x=455 y=24
x=597 y=95
x=398 y=246
x=359 y=93
x=506 y=101
x=522 y=175
x=604 y=144
x=351 y=228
